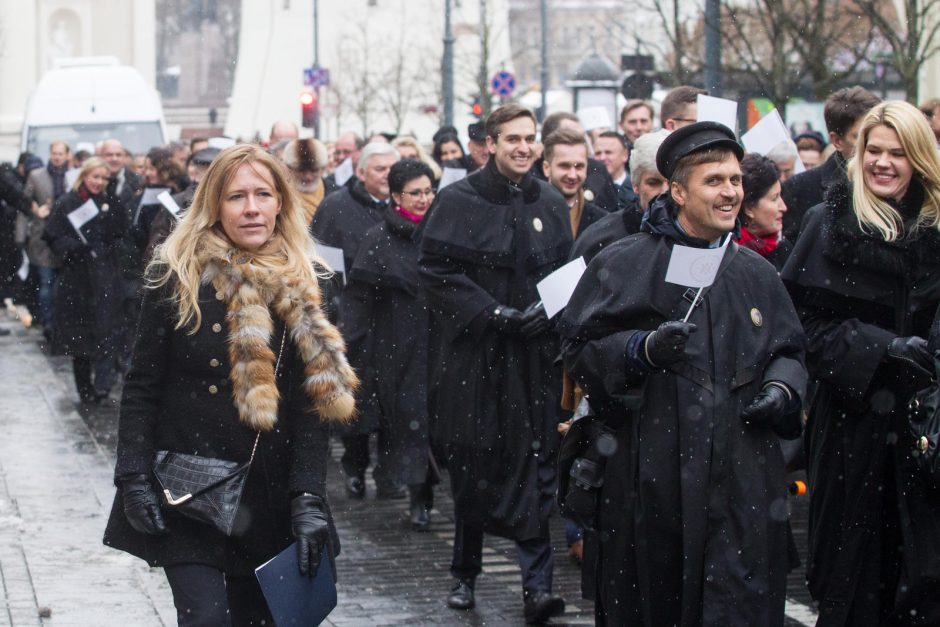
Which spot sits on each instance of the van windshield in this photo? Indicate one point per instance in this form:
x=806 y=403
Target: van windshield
x=138 y=137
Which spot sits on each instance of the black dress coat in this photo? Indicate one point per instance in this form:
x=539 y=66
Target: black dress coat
x=178 y=397
x=487 y=242
x=385 y=325
x=606 y=231
x=807 y=189
x=855 y=293
x=89 y=291
x=603 y=190
x=692 y=513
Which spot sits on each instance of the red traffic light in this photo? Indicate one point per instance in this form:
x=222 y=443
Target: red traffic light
x=307 y=98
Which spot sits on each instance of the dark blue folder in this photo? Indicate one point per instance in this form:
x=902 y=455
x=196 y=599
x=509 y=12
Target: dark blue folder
x=295 y=599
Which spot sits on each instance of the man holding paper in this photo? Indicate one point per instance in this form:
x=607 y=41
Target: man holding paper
x=494 y=391
x=693 y=363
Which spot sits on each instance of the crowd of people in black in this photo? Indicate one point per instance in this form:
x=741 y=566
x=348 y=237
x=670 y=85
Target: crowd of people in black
x=251 y=302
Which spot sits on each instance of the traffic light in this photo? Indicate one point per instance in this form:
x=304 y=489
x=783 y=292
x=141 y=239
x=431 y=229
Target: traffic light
x=308 y=109
x=477 y=107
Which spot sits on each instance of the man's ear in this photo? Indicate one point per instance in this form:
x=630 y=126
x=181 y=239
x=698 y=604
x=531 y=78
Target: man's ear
x=678 y=193
x=490 y=145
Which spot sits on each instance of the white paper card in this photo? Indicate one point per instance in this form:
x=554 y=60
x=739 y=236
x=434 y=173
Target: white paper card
x=167 y=201
x=766 y=134
x=343 y=172
x=221 y=142
x=333 y=257
x=151 y=195
x=23 y=272
x=594 y=117
x=451 y=175
x=70 y=177
x=79 y=217
x=695 y=267
x=711 y=109
x=556 y=289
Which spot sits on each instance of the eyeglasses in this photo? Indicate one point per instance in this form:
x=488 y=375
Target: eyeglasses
x=418 y=193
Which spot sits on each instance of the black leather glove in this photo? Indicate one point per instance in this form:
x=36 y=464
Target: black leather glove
x=506 y=319
x=534 y=321
x=769 y=406
x=666 y=345
x=912 y=350
x=311 y=529
x=142 y=506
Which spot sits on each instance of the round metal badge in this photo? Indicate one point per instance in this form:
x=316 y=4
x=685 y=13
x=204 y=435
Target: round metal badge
x=588 y=195
x=537 y=224
x=756 y=317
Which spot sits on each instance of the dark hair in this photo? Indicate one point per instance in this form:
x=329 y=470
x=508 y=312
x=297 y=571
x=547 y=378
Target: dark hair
x=564 y=137
x=503 y=114
x=677 y=99
x=196 y=139
x=616 y=135
x=439 y=142
x=845 y=106
x=635 y=104
x=552 y=122
x=758 y=174
x=407 y=170
x=161 y=158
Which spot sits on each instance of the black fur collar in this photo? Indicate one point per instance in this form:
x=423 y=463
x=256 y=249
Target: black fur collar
x=846 y=242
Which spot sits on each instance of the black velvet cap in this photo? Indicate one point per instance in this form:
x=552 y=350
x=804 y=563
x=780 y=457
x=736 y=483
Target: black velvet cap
x=477 y=132
x=693 y=138
x=205 y=156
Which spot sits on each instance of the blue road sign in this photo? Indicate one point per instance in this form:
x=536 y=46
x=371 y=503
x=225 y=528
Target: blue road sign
x=503 y=83
x=316 y=77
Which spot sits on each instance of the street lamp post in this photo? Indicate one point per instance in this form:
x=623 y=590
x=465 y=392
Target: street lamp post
x=447 y=66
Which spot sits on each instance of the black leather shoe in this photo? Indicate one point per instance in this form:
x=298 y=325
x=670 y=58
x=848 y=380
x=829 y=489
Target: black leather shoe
x=355 y=488
x=540 y=606
x=420 y=517
x=461 y=595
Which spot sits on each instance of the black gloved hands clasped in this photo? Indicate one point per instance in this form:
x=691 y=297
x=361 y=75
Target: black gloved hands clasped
x=311 y=529
x=666 y=345
x=142 y=505
x=528 y=323
x=769 y=406
x=913 y=351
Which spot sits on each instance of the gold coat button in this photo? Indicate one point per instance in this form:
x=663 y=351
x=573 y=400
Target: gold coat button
x=216 y=328
x=213 y=389
x=214 y=363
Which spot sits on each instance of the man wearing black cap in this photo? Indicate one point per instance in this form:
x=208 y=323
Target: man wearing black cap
x=479 y=153
x=690 y=504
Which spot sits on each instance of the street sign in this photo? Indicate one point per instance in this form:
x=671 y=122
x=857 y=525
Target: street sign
x=316 y=77
x=503 y=84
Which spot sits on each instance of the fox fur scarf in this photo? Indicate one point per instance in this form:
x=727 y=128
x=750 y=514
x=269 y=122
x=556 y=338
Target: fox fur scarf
x=252 y=292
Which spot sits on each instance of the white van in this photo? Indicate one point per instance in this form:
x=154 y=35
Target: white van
x=85 y=100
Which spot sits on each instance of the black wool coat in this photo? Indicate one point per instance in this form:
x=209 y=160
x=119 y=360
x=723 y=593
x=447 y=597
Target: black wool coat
x=692 y=513
x=487 y=242
x=807 y=189
x=178 y=397
x=874 y=529
x=385 y=325
x=606 y=231
x=598 y=182
x=344 y=217
x=89 y=291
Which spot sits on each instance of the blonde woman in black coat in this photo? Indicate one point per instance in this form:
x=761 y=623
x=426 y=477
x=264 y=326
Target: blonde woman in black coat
x=232 y=343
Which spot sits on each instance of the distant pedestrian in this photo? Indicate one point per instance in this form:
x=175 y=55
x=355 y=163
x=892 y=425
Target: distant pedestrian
x=234 y=360
x=762 y=210
x=89 y=292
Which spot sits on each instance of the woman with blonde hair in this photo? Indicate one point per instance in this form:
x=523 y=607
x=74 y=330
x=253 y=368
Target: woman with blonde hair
x=865 y=277
x=234 y=360
x=88 y=291
x=409 y=148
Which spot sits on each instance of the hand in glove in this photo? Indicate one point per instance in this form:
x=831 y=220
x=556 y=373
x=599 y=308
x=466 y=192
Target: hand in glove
x=311 y=529
x=666 y=345
x=507 y=319
x=534 y=321
x=913 y=351
x=768 y=406
x=142 y=506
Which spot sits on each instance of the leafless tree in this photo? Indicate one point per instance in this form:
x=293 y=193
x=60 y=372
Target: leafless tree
x=357 y=94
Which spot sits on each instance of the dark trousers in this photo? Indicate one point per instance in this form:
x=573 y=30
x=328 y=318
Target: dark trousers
x=355 y=459
x=206 y=597
x=105 y=372
x=535 y=558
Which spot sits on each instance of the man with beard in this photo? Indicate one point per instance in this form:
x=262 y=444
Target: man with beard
x=690 y=502
x=305 y=160
x=564 y=163
x=494 y=391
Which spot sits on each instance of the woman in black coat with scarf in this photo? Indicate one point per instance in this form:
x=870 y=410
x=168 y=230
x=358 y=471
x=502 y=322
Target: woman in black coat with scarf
x=88 y=291
x=865 y=277
x=762 y=210
x=233 y=360
x=385 y=321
